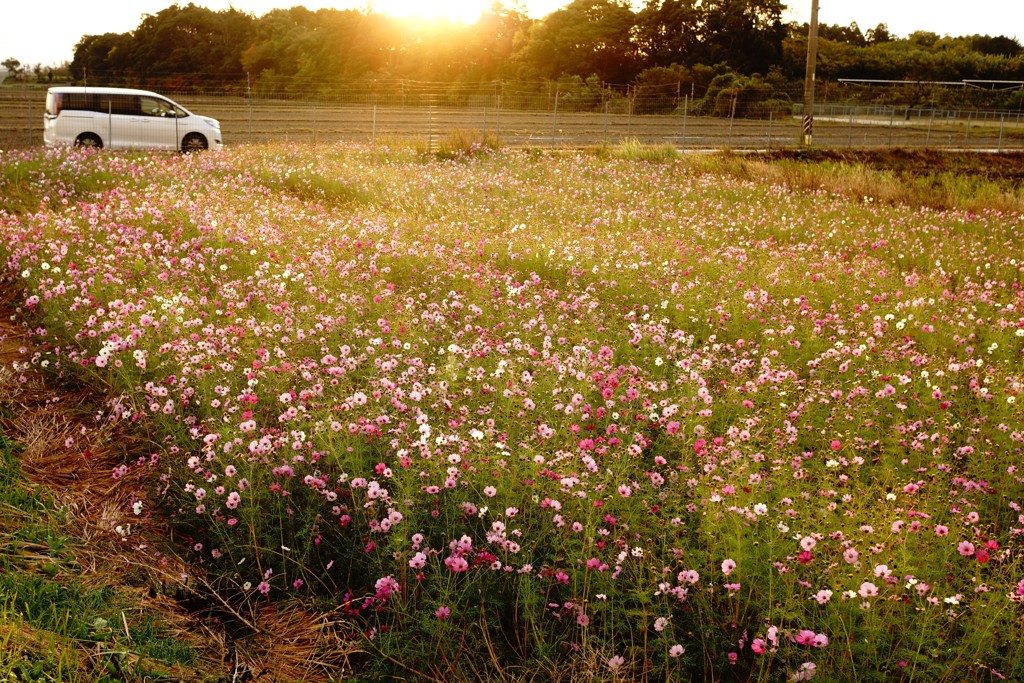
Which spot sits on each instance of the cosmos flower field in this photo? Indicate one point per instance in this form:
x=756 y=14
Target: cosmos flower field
x=522 y=415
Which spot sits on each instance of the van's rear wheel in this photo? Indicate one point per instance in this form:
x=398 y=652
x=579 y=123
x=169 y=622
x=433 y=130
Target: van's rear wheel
x=88 y=140
x=194 y=142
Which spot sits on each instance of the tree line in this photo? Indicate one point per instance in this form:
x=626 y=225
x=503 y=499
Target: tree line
x=696 y=44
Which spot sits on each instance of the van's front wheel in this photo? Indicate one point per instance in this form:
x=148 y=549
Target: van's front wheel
x=88 y=140
x=194 y=142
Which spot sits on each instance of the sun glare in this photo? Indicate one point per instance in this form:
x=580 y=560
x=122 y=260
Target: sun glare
x=464 y=11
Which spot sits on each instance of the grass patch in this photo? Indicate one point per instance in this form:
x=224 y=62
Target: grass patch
x=28 y=180
x=311 y=186
x=55 y=627
x=466 y=142
x=634 y=150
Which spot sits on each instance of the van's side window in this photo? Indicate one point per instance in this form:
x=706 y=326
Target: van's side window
x=78 y=101
x=154 y=106
x=125 y=105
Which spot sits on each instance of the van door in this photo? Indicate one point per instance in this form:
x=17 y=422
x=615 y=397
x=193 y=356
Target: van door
x=115 y=120
x=159 y=122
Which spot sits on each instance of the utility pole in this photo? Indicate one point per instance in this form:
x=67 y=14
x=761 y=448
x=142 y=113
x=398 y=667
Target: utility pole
x=812 y=54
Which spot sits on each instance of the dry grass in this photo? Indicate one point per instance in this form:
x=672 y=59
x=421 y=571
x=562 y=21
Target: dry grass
x=970 y=182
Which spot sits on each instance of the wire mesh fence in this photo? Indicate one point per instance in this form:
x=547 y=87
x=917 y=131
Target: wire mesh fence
x=574 y=114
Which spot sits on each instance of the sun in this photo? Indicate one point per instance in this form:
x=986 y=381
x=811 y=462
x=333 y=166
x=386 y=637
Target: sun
x=461 y=11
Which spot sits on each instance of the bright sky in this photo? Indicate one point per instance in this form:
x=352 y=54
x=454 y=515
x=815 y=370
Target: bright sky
x=46 y=31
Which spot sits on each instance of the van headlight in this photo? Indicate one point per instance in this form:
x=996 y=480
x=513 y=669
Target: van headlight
x=214 y=123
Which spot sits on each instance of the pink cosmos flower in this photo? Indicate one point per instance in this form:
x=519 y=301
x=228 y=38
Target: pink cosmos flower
x=868 y=590
x=728 y=566
x=851 y=555
x=456 y=564
x=966 y=548
x=804 y=637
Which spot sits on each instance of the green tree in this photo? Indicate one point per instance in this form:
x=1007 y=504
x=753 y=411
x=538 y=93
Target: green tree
x=996 y=45
x=668 y=32
x=102 y=56
x=878 y=34
x=584 y=38
x=191 y=41
x=746 y=34
x=13 y=67
x=493 y=41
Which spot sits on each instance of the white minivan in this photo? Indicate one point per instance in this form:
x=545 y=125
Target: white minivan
x=121 y=118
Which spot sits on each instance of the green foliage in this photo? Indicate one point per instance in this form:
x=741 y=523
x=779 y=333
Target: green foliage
x=604 y=26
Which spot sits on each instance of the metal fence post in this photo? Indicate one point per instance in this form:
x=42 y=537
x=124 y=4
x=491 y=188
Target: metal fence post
x=606 y=103
x=732 y=117
x=1002 y=119
x=771 y=120
x=928 y=135
x=686 y=107
x=373 y=129
x=248 y=95
x=629 y=115
x=554 y=118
